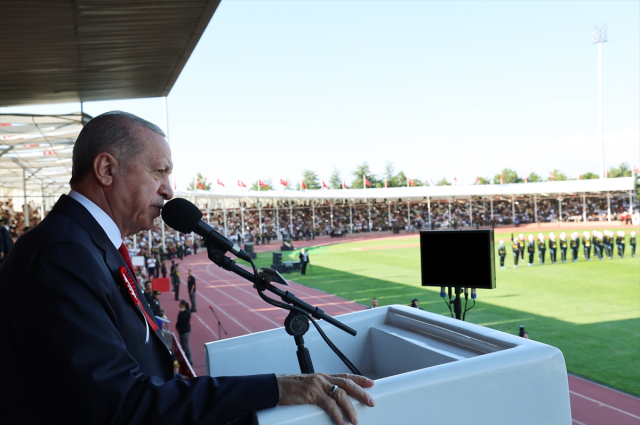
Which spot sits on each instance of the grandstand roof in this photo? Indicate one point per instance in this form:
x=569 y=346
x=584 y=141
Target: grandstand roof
x=544 y=189
x=83 y=50
x=38 y=148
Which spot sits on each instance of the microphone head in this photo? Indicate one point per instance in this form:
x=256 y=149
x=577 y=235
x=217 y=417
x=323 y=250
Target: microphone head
x=181 y=215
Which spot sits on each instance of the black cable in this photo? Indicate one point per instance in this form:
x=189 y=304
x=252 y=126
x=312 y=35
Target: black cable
x=466 y=300
x=474 y=304
x=335 y=349
x=448 y=305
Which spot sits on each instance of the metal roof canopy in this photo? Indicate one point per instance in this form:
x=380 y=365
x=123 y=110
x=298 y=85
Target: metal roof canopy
x=83 y=50
x=36 y=151
x=542 y=189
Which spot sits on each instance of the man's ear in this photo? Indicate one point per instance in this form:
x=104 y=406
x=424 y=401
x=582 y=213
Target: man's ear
x=105 y=166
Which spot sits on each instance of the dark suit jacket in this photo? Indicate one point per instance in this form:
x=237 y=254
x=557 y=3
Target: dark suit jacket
x=7 y=242
x=74 y=348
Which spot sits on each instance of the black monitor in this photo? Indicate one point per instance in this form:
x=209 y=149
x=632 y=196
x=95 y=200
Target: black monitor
x=462 y=258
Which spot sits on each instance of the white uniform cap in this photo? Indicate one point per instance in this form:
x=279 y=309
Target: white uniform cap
x=530 y=237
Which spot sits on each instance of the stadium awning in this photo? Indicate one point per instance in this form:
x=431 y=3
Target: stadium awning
x=543 y=189
x=82 y=50
x=36 y=150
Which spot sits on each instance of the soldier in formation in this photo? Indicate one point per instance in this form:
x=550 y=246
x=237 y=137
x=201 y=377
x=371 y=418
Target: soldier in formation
x=502 y=252
x=596 y=241
x=620 y=243
x=515 y=246
x=586 y=244
x=553 y=247
x=542 y=248
x=632 y=242
x=563 y=247
x=521 y=246
x=575 y=245
x=531 y=249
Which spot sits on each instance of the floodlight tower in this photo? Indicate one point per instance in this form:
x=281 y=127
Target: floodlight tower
x=598 y=37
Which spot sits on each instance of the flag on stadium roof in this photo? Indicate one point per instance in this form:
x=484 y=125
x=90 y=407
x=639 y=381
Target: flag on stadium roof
x=324 y=185
x=241 y=184
x=526 y=179
x=386 y=183
x=579 y=176
x=410 y=182
x=220 y=183
x=366 y=182
x=284 y=182
x=304 y=186
x=552 y=177
x=431 y=178
x=501 y=179
x=636 y=169
x=607 y=173
x=262 y=184
x=455 y=180
x=199 y=184
x=344 y=184
x=477 y=180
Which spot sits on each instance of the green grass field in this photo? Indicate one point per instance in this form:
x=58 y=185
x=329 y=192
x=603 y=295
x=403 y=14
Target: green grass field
x=589 y=310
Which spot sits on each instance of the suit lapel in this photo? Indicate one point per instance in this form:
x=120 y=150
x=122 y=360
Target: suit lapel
x=72 y=208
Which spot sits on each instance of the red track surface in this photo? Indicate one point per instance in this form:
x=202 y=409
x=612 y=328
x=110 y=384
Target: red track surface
x=241 y=312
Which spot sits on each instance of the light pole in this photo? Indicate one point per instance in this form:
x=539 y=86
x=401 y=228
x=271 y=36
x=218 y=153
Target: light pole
x=598 y=37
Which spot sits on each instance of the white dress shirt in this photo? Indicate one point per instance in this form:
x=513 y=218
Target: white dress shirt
x=108 y=225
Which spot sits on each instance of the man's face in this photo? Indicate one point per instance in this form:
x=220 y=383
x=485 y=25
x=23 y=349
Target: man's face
x=374 y=303
x=189 y=272
x=147 y=287
x=139 y=194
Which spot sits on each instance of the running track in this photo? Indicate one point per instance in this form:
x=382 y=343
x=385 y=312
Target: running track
x=241 y=312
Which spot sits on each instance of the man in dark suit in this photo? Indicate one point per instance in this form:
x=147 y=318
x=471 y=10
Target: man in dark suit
x=304 y=260
x=80 y=343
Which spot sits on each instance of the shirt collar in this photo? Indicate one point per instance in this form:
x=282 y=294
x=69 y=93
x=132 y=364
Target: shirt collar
x=108 y=225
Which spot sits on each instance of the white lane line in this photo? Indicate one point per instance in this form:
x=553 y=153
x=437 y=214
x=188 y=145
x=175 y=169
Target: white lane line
x=240 y=302
x=605 y=405
x=603 y=386
x=219 y=308
x=578 y=422
x=206 y=326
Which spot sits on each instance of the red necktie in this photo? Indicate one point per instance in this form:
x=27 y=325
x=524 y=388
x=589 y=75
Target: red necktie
x=125 y=256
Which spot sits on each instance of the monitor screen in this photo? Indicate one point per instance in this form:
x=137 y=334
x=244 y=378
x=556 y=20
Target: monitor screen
x=458 y=258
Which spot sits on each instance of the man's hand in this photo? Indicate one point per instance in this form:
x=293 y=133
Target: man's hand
x=315 y=388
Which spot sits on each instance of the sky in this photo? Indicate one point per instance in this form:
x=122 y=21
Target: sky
x=438 y=89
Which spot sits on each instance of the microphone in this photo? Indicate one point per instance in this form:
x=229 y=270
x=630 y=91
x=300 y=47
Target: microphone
x=185 y=217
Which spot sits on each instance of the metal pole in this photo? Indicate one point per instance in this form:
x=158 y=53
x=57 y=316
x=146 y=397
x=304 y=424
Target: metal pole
x=290 y=217
x=149 y=236
x=584 y=207
x=630 y=202
x=164 y=243
x=260 y=220
x=26 y=205
x=608 y=207
x=449 y=201
x=560 y=208
x=535 y=209
x=313 y=216
x=429 y=207
x=513 y=209
x=470 y=212
x=277 y=222
x=491 y=202
x=409 y=213
x=331 y=212
x=42 y=203
x=389 y=212
x=209 y=211
x=135 y=243
x=350 y=219
x=600 y=126
x=226 y=230
x=242 y=218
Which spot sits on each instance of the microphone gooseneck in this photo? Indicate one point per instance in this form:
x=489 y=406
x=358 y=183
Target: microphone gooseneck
x=185 y=217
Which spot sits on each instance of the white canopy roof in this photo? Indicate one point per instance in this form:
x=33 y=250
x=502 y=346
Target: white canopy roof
x=543 y=189
x=38 y=149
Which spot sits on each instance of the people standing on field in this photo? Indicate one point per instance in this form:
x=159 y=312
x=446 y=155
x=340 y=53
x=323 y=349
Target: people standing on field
x=542 y=248
x=521 y=244
x=563 y=247
x=553 y=247
x=586 y=244
x=620 y=243
x=632 y=242
x=502 y=252
x=575 y=245
x=515 y=247
x=531 y=249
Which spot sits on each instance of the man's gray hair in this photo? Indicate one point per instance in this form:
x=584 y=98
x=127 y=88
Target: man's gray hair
x=112 y=132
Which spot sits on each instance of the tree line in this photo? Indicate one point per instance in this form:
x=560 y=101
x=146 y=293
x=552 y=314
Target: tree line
x=313 y=182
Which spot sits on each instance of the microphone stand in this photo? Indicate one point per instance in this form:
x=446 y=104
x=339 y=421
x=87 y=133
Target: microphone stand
x=297 y=322
x=219 y=324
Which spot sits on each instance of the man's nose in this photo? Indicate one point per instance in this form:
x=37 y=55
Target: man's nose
x=165 y=190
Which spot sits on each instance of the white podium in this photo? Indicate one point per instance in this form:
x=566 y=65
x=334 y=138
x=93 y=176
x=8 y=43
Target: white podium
x=429 y=369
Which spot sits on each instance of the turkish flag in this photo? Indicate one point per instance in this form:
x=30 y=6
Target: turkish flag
x=607 y=173
x=386 y=183
x=501 y=179
x=411 y=183
x=324 y=185
x=199 y=184
x=636 y=170
x=477 y=180
x=220 y=183
x=367 y=182
x=579 y=176
x=344 y=185
x=432 y=182
x=262 y=184
x=526 y=179
x=552 y=176
x=304 y=186
x=241 y=184
x=284 y=182
x=455 y=179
